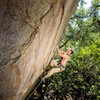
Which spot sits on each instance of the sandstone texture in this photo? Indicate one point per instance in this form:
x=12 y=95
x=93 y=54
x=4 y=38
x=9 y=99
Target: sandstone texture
x=29 y=32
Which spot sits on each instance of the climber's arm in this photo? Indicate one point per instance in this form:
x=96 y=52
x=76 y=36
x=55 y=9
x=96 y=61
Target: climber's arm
x=59 y=52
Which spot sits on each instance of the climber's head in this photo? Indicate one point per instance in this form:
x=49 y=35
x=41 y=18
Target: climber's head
x=69 y=52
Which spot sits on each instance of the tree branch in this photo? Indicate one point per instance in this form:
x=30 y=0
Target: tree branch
x=80 y=29
x=65 y=43
x=76 y=16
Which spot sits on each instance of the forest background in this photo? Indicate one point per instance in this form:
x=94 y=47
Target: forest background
x=81 y=79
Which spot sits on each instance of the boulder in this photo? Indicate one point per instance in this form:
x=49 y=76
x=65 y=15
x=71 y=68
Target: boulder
x=29 y=32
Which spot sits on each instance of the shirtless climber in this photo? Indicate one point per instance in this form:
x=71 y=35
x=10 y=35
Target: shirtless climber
x=65 y=57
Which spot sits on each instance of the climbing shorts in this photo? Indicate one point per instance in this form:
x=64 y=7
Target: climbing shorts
x=62 y=67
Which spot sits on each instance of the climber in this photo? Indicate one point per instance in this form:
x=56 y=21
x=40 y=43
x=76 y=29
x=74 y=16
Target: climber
x=65 y=57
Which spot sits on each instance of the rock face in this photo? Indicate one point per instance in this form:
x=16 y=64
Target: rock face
x=29 y=32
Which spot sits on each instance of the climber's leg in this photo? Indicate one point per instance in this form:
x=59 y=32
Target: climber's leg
x=51 y=72
x=53 y=62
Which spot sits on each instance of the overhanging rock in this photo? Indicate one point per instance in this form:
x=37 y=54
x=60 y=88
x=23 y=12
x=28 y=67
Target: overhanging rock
x=29 y=32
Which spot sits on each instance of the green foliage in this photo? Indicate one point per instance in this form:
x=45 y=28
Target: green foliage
x=95 y=2
x=82 y=75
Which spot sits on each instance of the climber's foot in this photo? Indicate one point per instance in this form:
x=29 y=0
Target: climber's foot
x=43 y=81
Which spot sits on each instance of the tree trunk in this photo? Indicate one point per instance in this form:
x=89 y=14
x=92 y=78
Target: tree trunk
x=29 y=32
